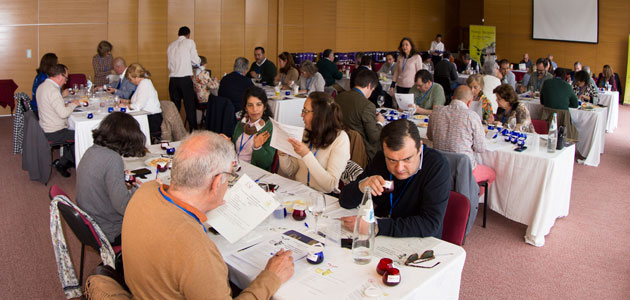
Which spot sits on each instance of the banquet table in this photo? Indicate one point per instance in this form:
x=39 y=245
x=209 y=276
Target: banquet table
x=286 y=109
x=590 y=124
x=461 y=78
x=83 y=126
x=611 y=100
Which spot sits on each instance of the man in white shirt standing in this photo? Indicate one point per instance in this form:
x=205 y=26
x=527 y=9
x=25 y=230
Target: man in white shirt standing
x=437 y=47
x=53 y=116
x=182 y=55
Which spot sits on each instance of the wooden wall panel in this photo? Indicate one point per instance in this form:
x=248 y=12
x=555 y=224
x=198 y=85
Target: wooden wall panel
x=513 y=19
x=122 y=29
x=292 y=26
x=320 y=18
x=232 y=33
x=256 y=28
x=73 y=11
x=208 y=33
x=18 y=12
x=152 y=42
x=17 y=66
x=180 y=13
x=272 y=31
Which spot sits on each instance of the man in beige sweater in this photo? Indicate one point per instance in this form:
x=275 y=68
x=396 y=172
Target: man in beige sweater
x=54 y=113
x=168 y=254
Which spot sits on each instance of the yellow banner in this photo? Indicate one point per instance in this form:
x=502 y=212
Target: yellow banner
x=482 y=42
x=626 y=97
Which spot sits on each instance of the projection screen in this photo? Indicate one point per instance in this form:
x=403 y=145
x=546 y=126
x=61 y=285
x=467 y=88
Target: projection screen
x=566 y=20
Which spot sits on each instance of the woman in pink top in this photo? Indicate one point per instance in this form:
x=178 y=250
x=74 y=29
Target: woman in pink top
x=408 y=63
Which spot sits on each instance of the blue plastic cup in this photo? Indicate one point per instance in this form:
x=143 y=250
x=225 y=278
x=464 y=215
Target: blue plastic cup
x=122 y=109
x=110 y=109
x=90 y=115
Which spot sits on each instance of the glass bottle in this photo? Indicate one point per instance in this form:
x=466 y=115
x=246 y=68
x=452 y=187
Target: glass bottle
x=364 y=230
x=553 y=134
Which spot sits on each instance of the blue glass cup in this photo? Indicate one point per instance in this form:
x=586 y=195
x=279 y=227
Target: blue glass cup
x=122 y=109
x=110 y=109
x=90 y=115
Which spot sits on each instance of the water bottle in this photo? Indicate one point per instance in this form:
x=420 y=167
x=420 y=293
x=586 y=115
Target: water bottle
x=552 y=140
x=364 y=230
x=562 y=134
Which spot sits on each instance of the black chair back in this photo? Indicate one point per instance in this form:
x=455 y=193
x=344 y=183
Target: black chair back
x=445 y=82
x=79 y=225
x=220 y=116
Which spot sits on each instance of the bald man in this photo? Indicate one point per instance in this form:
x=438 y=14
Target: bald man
x=455 y=128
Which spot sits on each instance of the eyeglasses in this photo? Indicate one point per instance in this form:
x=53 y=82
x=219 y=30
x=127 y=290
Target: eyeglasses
x=306 y=111
x=413 y=260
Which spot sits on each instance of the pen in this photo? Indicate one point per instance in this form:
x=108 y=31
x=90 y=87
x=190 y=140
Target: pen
x=157 y=171
x=305 y=224
x=247 y=247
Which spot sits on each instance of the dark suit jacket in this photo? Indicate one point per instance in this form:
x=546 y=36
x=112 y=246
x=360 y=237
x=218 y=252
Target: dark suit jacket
x=445 y=69
x=267 y=71
x=220 y=116
x=329 y=71
x=233 y=86
x=473 y=65
x=359 y=114
x=378 y=90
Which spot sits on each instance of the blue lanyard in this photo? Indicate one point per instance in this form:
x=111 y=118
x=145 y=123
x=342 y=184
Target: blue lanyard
x=308 y=173
x=103 y=63
x=308 y=83
x=358 y=90
x=185 y=210
x=392 y=204
x=241 y=145
x=425 y=94
x=404 y=63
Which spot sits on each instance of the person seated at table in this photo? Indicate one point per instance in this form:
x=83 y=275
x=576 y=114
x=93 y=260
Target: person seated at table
x=102 y=62
x=582 y=88
x=422 y=183
x=47 y=61
x=101 y=188
x=262 y=68
x=549 y=66
x=366 y=64
x=233 y=85
x=556 y=93
x=455 y=128
x=476 y=84
x=506 y=73
x=528 y=63
x=53 y=116
x=252 y=134
x=427 y=62
x=329 y=70
x=310 y=80
x=522 y=87
x=202 y=82
x=325 y=148
x=469 y=65
x=123 y=88
x=511 y=108
x=408 y=64
x=387 y=69
x=359 y=113
x=591 y=77
x=446 y=70
x=536 y=82
x=145 y=98
x=288 y=73
x=607 y=76
x=427 y=94
x=577 y=67
x=554 y=65
x=168 y=254
x=491 y=79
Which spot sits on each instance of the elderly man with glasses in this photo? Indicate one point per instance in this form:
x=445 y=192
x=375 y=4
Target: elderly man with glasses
x=53 y=116
x=421 y=179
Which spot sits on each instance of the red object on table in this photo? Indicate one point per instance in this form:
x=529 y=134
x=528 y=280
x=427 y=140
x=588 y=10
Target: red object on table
x=7 y=88
x=79 y=79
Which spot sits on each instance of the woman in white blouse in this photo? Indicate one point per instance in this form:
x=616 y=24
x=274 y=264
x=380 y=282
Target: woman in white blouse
x=408 y=64
x=325 y=148
x=145 y=98
x=311 y=80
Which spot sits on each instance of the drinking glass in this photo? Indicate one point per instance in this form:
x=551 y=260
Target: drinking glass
x=380 y=101
x=512 y=124
x=316 y=205
x=411 y=109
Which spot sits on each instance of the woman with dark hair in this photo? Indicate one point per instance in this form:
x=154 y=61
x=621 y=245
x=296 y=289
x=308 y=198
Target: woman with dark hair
x=252 y=134
x=101 y=188
x=288 y=73
x=48 y=60
x=325 y=148
x=608 y=76
x=103 y=62
x=510 y=108
x=145 y=98
x=582 y=87
x=408 y=64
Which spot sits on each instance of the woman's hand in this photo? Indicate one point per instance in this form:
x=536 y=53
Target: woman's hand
x=490 y=119
x=261 y=138
x=299 y=147
x=225 y=137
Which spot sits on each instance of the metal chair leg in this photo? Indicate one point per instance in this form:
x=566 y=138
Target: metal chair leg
x=485 y=202
x=82 y=257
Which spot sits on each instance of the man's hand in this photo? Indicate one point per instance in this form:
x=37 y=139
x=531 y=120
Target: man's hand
x=391 y=91
x=348 y=222
x=281 y=264
x=261 y=139
x=76 y=102
x=299 y=147
x=380 y=118
x=111 y=90
x=65 y=92
x=253 y=74
x=375 y=182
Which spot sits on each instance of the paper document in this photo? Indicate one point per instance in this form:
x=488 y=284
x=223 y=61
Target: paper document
x=246 y=206
x=404 y=100
x=258 y=254
x=281 y=135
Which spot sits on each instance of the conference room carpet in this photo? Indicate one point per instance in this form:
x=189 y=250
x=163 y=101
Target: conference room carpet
x=585 y=255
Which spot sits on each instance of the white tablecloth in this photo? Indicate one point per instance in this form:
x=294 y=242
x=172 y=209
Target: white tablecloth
x=591 y=127
x=83 y=127
x=461 y=78
x=440 y=282
x=610 y=99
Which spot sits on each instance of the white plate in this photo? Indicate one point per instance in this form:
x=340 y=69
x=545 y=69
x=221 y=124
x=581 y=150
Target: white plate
x=153 y=161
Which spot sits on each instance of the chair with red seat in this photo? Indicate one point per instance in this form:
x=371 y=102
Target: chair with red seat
x=456 y=219
x=540 y=126
x=55 y=190
x=485 y=176
x=78 y=79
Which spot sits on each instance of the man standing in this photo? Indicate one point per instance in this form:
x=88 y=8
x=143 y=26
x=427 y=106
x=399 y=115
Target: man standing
x=508 y=76
x=327 y=67
x=262 y=68
x=182 y=55
x=233 y=85
x=123 y=88
x=426 y=94
x=528 y=63
x=53 y=116
x=437 y=47
x=536 y=82
x=359 y=113
x=168 y=254
x=455 y=128
x=422 y=183
x=469 y=65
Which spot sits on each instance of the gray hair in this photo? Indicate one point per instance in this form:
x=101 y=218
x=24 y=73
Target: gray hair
x=119 y=61
x=201 y=157
x=241 y=64
x=490 y=67
x=587 y=69
x=308 y=67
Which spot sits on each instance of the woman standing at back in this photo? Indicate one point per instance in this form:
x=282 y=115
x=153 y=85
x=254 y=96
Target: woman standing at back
x=408 y=64
x=103 y=62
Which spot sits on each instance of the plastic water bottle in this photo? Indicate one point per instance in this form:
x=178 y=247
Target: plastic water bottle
x=553 y=134
x=364 y=230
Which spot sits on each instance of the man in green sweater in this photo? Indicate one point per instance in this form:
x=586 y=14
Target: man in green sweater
x=426 y=93
x=262 y=68
x=557 y=93
x=328 y=69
